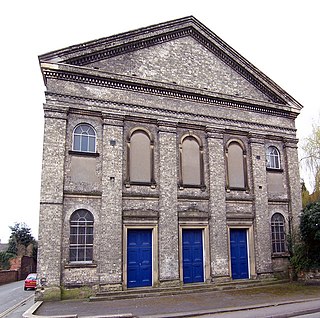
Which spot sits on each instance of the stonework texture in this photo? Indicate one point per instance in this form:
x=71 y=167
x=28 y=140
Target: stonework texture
x=177 y=88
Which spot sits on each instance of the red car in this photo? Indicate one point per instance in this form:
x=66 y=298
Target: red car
x=30 y=281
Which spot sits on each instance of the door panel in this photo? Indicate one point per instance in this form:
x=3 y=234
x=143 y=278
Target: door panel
x=192 y=254
x=139 y=258
x=239 y=254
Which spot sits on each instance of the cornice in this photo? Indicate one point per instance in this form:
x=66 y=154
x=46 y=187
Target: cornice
x=172 y=35
x=161 y=89
x=174 y=115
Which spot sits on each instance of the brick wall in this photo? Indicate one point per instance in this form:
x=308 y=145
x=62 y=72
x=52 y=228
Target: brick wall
x=8 y=276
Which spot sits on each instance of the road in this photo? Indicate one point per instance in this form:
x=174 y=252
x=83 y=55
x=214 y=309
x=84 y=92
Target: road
x=13 y=298
x=308 y=309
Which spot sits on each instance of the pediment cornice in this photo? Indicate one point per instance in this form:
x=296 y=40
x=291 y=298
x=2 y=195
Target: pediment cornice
x=115 y=81
x=84 y=54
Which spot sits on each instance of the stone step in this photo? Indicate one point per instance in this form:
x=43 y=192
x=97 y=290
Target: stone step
x=185 y=289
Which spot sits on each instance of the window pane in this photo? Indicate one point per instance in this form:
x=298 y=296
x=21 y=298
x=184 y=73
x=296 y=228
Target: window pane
x=140 y=158
x=73 y=254
x=92 y=144
x=89 y=239
x=81 y=239
x=76 y=143
x=81 y=254
x=84 y=143
x=89 y=254
x=235 y=166
x=82 y=229
x=73 y=239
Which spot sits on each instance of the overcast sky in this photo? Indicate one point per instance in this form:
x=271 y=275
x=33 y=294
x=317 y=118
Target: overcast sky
x=280 y=37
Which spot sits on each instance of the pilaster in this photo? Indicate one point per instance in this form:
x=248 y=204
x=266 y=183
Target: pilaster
x=294 y=184
x=110 y=231
x=168 y=216
x=51 y=199
x=262 y=230
x=217 y=206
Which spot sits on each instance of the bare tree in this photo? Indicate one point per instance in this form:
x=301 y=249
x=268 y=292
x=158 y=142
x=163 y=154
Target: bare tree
x=311 y=158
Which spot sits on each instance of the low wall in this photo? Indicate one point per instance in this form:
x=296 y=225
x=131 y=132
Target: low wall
x=8 y=276
x=310 y=277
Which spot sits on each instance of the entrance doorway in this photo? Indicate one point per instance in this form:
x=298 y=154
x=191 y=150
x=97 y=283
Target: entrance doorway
x=239 y=254
x=192 y=255
x=139 y=258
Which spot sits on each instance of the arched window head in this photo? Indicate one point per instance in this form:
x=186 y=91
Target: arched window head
x=273 y=158
x=140 y=158
x=191 y=162
x=278 y=233
x=236 y=167
x=81 y=236
x=84 y=138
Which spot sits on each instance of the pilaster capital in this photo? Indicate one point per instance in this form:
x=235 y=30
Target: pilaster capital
x=214 y=133
x=256 y=139
x=290 y=143
x=60 y=112
x=112 y=120
x=167 y=126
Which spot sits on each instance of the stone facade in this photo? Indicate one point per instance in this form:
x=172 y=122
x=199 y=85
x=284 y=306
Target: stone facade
x=198 y=111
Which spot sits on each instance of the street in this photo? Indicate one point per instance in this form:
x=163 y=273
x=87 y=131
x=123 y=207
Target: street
x=14 y=300
x=308 y=309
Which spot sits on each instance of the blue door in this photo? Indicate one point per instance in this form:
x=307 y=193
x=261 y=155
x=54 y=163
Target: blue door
x=239 y=253
x=192 y=254
x=139 y=258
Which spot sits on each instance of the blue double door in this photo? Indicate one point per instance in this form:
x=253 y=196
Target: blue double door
x=139 y=258
x=192 y=255
x=239 y=254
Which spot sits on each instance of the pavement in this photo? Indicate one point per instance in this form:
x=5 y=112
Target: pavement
x=185 y=305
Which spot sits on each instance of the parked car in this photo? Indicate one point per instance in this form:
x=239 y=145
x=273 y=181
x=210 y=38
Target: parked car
x=30 y=281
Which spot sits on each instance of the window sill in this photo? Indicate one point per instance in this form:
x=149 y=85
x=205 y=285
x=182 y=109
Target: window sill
x=80 y=265
x=152 y=185
x=192 y=186
x=84 y=154
x=275 y=170
x=238 y=189
x=281 y=255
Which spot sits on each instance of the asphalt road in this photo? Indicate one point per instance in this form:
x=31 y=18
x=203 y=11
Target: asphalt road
x=12 y=296
x=308 y=309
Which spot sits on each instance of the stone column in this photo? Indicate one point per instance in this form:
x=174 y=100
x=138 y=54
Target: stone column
x=262 y=230
x=294 y=185
x=51 y=201
x=168 y=218
x=217 y=207
x=110 y=230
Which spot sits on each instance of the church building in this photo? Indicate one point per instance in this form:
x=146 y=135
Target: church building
x=168 y=159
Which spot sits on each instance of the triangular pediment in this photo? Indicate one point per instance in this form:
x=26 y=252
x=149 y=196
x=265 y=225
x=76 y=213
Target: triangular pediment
x=185 y=62
x=182 y=52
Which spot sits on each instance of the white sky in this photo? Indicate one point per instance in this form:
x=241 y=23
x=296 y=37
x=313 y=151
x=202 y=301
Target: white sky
x=280 y=37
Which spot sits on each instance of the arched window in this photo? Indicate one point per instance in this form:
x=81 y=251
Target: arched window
x=273 y=158
x=278 y=233
x=191 y=162
x=236 y=166
x=81 y=236
x=140 y=158
x=84 y=138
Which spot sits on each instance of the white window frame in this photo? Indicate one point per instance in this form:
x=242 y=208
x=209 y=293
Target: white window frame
x=92 y=137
